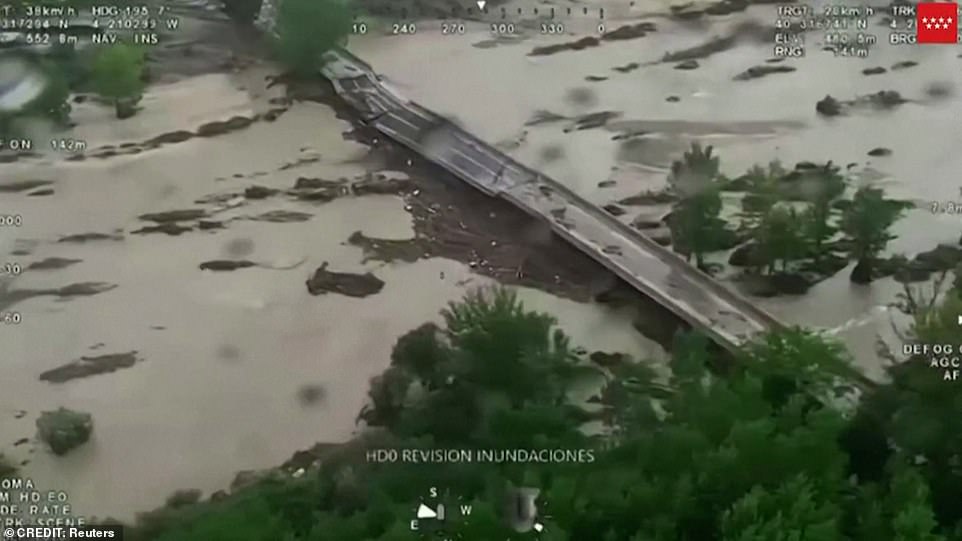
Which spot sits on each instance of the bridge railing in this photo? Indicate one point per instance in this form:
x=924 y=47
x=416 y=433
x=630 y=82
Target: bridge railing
x=668 y=256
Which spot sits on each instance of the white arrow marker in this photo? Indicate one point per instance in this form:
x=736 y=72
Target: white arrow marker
x=481 y=4
x=426 y=512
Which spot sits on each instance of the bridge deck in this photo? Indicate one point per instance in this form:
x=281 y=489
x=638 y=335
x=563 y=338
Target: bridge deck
x=657 y=272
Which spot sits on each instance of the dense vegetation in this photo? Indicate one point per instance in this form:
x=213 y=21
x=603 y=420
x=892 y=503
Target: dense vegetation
x=307 y=28
x=304 y=30
x=755 y=455
x=796 y=227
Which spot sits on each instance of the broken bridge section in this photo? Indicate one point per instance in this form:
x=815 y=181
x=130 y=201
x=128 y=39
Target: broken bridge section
x=707 y=305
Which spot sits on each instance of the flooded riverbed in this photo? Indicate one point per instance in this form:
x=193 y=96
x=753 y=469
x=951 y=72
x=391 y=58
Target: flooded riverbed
x=496 y=89
x=224 y=357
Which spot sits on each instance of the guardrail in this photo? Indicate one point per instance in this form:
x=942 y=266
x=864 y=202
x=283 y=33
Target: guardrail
x=345 y=66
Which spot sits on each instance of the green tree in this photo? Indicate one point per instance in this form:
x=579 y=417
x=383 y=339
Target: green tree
x=867 y=223
x=912 y=419
x=51 y=103
x=757 y=453
x=695 y=226
x=762 y=187
x=117 y=74
x=780 y=237
x=307 y=28
x=818 y=228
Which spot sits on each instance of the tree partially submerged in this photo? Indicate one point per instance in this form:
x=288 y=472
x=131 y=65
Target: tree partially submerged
x=695 y=226
x=867 y=222
x=117 y=75
x=306 y=29
x=64 y=429
x=780 y=238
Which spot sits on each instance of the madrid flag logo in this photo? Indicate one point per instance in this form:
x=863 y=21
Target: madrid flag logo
x=937 y=22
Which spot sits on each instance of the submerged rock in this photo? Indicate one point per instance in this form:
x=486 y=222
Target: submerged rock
x=312 y=183
x=259 y=192
x=282 y=217
x=380 y=184
x=173 y=216
x=226 y=264
x=350 y=284
x=23 y=185
x=649 y=197
x=578 y=45
x=880 y=151
x=220 y=127
x=646 y=221
x=318 y=189
x=629 y=67
x=607 y=360
x=206 y=225
x=170 y=137
x=756 y=72
x=941 y=258
x=614 y=210
x=169 y=228
x=630 y=31
x=53 y=263
x=725 y=7
x=829 y=106
x=90 y=366
x=687 y=65
x=82 y=289
x=80 y=238
x=64 y=429
x=885 y=99
x=704 y=50
x=592 y=120
x=877 y=70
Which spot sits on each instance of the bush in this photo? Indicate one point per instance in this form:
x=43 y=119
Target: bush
x=64 y=429
x=117 y=75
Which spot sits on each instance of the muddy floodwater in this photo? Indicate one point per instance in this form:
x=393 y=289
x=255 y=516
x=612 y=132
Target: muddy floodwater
x=492 y=86
x=223 y=358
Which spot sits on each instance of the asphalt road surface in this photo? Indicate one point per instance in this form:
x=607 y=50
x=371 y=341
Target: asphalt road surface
x=654 y=270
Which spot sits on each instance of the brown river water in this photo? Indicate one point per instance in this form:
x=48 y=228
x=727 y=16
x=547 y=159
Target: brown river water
x=225 y=354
